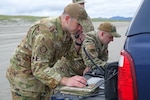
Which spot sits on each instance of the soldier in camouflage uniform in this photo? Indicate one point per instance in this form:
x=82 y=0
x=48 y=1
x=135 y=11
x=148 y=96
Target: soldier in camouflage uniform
x=33 y=66
x=96 y=44
x=75 y=60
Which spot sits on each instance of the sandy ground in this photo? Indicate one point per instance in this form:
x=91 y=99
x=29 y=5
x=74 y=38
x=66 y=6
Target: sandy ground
x=12 y=33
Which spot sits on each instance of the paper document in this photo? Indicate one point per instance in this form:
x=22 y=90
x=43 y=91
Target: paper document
x=93 y=80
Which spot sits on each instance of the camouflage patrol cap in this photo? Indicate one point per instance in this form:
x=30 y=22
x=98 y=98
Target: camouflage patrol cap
x=78 y=1
x=78 y=12
x=108 y=27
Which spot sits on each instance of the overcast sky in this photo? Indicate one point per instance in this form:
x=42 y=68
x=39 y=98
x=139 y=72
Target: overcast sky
x=94 y=8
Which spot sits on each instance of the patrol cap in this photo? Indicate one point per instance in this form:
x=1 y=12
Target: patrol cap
x=78 y=12
x=108 y=27
x=78 y=1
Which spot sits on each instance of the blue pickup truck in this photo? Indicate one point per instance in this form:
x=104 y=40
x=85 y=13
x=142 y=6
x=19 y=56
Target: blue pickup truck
x=134 y=62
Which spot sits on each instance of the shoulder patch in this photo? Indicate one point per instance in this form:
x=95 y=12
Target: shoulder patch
x=43 y=49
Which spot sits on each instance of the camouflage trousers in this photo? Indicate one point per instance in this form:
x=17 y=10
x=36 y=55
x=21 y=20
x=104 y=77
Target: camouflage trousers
x=40 y=96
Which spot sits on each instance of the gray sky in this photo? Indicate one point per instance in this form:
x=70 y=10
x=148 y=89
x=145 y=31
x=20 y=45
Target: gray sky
x=95 y=8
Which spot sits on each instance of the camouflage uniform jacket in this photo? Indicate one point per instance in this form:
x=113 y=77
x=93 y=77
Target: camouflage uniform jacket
x=31 y=66
x=90 y=27
x=97 y=51
x=75 y=61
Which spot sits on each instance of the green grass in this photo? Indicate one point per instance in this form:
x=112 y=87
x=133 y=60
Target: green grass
x=14 y=18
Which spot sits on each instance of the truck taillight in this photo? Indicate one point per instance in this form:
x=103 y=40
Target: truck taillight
x=127 y=89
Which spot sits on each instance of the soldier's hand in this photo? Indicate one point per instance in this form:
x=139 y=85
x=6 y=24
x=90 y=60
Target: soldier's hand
x=80 y=38
x=77 y=81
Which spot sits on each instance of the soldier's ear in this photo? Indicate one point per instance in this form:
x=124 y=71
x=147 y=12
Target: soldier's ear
x=67 y=18
x=102 y=33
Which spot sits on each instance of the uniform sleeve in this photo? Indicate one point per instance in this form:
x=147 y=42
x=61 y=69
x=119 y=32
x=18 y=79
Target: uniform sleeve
x=105 y=54
x=89 y=45
x=42 y=58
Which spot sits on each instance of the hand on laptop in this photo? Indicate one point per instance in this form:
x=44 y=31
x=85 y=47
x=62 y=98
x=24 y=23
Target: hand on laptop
x=76 y=81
